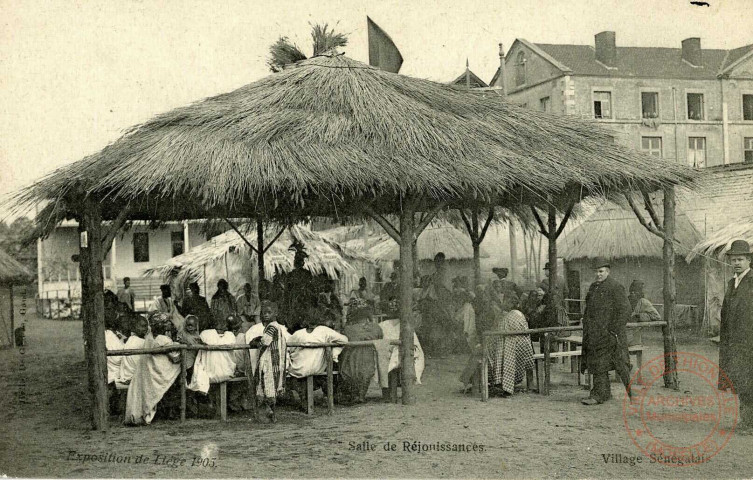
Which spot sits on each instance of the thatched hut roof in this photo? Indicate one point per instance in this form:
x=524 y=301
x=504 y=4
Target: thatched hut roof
x=324 y=256
x=437 y=237
x=614 y=232
x=332 y=133
x=11 y=271
x=720 y=242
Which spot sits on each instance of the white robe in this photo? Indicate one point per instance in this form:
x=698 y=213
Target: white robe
x=128 y=365
x=213 y=367
x=153 y=377
x=305 y=362
x=112 y=342
x=391 y=331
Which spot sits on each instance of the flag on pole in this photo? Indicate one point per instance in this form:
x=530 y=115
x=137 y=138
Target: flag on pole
x=383 y=53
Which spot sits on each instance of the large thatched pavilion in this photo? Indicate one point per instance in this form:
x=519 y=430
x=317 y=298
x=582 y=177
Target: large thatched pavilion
x=334 y=137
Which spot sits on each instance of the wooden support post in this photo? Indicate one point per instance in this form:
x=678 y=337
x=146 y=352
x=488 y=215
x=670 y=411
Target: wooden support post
x=93 y=309
x=668 y=331
x=223 y=401
x=544 y=389
x=484 y=371
x=393 y=379
x=407 y=236
x=554 y=293
x=529 y=379
x=330 y=382
x=310 y=395
x=183 y=379
x=260 y=252
x=12 y=319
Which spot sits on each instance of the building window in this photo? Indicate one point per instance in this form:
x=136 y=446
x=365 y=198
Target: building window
x=650 y=104
x=695 y=106
x=697 y=152
x=748 y=149
x=602 y=104
x=651 y=145
x=140 y=247
x=176 y=238
x=520 y=69
x=544 y=104
x=747 y=107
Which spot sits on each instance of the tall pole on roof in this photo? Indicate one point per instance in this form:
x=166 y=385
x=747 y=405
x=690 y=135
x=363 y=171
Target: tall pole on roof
x=467 y=75
x=501 y=77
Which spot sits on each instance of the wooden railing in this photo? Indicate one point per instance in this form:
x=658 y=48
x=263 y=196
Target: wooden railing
x=547 y=331
x=222 y=348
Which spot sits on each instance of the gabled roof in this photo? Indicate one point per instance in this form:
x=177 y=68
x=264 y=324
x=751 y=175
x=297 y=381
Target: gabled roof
x=734 y=57
x=476 y=82
x=650 y=62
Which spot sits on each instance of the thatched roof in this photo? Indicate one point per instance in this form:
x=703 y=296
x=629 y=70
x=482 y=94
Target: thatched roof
x=332 y=133
x=720 y=242
x=437 y=237
x=11 y=271
x=615 y=232
x=325 y=256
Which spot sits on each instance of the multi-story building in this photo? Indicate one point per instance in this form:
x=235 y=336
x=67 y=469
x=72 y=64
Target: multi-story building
x=132 y=252
x=688 y=104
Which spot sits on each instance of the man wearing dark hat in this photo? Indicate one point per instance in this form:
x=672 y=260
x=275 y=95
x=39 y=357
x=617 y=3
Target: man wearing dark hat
x=736 y=333
x=604 y=334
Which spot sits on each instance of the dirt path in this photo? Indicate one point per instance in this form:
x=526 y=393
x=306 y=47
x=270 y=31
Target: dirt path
x=44 y=430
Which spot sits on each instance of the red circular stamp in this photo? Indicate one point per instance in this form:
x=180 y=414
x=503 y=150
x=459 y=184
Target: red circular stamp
x=680 y=429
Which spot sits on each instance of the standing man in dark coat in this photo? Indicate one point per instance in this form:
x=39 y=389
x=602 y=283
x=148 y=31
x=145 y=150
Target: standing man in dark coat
x=604 y=334
x=736 y=332
x=195 y=304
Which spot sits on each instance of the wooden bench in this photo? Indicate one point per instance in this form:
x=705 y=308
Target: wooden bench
x=575 y=355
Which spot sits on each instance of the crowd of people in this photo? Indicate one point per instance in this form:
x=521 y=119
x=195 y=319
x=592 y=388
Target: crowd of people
x=295 y=309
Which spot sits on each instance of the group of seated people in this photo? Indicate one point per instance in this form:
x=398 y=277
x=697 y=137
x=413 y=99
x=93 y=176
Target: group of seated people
x=270 y=364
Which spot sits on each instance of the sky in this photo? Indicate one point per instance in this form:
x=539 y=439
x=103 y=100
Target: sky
x=75 y=75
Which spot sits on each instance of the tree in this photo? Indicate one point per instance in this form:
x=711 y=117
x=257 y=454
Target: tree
x=283 y=52
x=666 y=231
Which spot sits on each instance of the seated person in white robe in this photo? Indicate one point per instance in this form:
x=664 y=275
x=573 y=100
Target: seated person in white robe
x=112 y=342
x=213 y=367
x=139 y=329
x=305 y=362
x=153 y=377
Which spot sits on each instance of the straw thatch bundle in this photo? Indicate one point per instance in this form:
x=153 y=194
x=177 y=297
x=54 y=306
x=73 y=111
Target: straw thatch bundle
x=614 y=232
x=11 y=271
x=720 y=242
x=330 y=133
x=324 y=256
x=438 y=237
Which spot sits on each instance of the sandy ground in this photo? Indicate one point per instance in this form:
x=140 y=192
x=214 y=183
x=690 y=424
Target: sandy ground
x=44 y=429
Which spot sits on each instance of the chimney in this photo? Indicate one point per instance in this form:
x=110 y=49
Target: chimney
x=606 y=48
x=501 y=77
x=691 y=51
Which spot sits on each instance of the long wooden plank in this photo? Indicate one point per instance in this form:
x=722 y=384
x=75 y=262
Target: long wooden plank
x=499 y=333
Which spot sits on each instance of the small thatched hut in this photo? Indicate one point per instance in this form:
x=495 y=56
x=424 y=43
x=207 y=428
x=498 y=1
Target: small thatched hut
x=615 y=233
x=228 y=256
x=11 y=273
